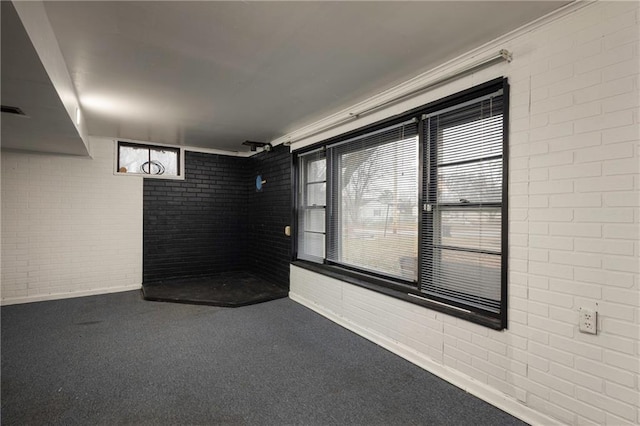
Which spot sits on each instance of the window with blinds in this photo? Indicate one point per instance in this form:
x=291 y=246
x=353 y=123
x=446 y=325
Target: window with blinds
x=373 y=205
x=312 y=200
x=417 y=206
x=462 y=244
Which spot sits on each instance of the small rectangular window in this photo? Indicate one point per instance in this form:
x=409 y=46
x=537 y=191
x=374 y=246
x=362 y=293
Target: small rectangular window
x=148 y=160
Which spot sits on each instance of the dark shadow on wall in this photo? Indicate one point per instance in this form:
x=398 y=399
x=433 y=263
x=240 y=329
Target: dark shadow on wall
x=215 y=221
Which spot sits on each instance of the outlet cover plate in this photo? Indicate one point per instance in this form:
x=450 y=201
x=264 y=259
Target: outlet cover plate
x=588 y=321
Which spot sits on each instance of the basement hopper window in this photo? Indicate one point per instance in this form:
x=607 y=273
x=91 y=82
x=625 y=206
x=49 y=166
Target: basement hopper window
x=148 y=160
x=415 y=206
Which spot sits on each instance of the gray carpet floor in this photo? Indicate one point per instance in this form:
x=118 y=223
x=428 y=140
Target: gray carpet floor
x=117 y=359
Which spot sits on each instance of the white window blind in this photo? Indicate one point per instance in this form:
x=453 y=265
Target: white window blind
x=462 y=216
x=312 y=199
x=373 y=201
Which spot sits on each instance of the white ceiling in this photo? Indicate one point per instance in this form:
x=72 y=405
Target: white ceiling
x=214 y=74
x=26 y=84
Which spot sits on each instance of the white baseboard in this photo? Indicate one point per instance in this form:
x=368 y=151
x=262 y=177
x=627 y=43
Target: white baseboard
x=57 y=296
x=464 y=382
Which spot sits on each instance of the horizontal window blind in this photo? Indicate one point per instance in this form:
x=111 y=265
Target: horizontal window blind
x=373 y=201
x=462 y=217
x=312 y=200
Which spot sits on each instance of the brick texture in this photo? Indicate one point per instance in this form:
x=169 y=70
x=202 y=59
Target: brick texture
x=574 y=234
x=269 y=250
x=69 y=226
x=215 y=221
x=197 y=226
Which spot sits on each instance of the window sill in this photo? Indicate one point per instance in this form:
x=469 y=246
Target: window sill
x=147 y=176
x=396 y=290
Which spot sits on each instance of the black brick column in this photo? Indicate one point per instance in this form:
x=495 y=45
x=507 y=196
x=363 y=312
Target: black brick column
x=270 y=211
x=215 y=221
x=197 y=226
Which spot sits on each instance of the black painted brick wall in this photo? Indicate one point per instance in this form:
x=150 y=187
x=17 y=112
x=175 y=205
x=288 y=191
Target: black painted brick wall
x=270 y=211
x=197 y=226
x=215 y=221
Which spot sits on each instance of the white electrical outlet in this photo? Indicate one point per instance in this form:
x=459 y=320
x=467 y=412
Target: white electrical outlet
x=588 y=321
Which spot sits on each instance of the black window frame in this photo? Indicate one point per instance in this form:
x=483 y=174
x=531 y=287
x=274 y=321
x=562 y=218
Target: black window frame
x=149 y=148
x=431 y=244
x=303 y=205
x=400 y=289
x=333 y=241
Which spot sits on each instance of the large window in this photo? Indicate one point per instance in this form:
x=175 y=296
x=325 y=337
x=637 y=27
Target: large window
x=375 y=172
x=415 y=206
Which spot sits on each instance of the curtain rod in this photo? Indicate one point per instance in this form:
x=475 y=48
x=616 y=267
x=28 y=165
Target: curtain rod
x=502 y=55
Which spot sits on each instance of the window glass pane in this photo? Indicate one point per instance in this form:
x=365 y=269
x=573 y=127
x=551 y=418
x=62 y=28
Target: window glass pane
x=478 y=182
x=316 y=194
x=473 y=229
x=313 y=245
x=132 y=158
x=375 y=226
x=164 y=162
x=468 y=278
x=470 y=140
x=317 y=171
x=148 y=160
x=314 y=220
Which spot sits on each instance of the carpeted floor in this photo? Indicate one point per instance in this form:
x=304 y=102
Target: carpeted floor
x=230 y=289
x=117 y=359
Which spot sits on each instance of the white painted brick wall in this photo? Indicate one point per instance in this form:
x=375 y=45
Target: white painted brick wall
x=574 y=237
x=69 y=226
